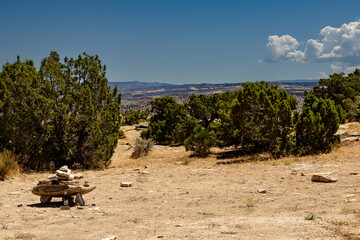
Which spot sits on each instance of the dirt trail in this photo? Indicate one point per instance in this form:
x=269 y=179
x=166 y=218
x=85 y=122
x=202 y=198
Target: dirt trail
x=200 y=200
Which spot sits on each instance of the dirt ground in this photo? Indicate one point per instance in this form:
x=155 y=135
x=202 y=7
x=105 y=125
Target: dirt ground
x=177 y=197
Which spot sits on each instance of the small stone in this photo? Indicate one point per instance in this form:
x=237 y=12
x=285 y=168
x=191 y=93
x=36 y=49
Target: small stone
x=144 y=172
x=262 y=191
x=64 y=208
x=178 y=225
x=351 y=200
x=64 y=168
x=86 y=184
x=126 y=184
x=80 y=207
x=302 y=174
x=318 y=177
x=19 y=205
x=67 y=174
x=110 y=238
x=146 y=167
x=78 y=176
x=137 y=169
x=14 y=193
x=350 y=195
x=160 y=236
x=93 y=204
x=353 y=173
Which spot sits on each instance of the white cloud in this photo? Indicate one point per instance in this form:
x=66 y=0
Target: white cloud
x=279 y=47
x=340 y=46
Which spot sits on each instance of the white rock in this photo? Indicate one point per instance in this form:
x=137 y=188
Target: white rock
x=350 y=195
x=14 y=193
x=64 y=174
x=110 y=238
x=262 y=191
x=64 y=168
x=126 y=184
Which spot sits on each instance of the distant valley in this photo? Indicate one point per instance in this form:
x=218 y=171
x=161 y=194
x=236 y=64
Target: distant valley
x=135 y=89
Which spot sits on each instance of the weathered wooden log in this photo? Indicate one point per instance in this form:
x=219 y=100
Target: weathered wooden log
x=59 y=190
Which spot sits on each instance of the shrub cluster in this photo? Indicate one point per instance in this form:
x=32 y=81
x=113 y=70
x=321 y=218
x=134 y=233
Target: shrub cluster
x=258 y=117
x=344 y=91
x=131 y=117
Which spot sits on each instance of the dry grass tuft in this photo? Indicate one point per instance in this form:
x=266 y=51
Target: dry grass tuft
x=8 y=164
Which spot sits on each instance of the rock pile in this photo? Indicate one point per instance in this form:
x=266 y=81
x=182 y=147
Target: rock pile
x=62 y=184
x=64 y=173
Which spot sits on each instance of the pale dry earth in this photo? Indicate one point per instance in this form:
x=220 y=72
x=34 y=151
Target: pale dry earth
x=178 y=197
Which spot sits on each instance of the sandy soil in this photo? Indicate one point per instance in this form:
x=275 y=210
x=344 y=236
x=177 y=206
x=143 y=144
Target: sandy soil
x=177 y=197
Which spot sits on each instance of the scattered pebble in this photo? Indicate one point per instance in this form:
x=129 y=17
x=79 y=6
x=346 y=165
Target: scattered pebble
x=110 y=238
x=178 y=225
x=262 y=191
x=350 y=195
x=19 y=205
x=126 y=184
x=14 y=193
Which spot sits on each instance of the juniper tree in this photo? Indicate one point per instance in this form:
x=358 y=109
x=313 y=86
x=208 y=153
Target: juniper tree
x=262 y=118
x=64 y=113
x=317 y=125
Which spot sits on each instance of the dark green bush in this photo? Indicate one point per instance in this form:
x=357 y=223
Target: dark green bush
x=262 y=118
x=169 y=123
x=317 y=125
x=132 y=117
x=200 y=142
x=344 y=91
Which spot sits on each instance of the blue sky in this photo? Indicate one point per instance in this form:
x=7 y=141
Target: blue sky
x=180 y=41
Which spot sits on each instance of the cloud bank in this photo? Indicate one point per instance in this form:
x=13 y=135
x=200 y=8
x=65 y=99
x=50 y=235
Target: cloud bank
x=338 y=46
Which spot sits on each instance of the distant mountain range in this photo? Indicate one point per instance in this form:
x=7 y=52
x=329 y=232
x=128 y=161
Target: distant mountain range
x=123 y=86
x=136 y=89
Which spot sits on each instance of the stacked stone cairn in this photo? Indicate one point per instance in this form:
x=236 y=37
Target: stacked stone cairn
x=62 y=184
